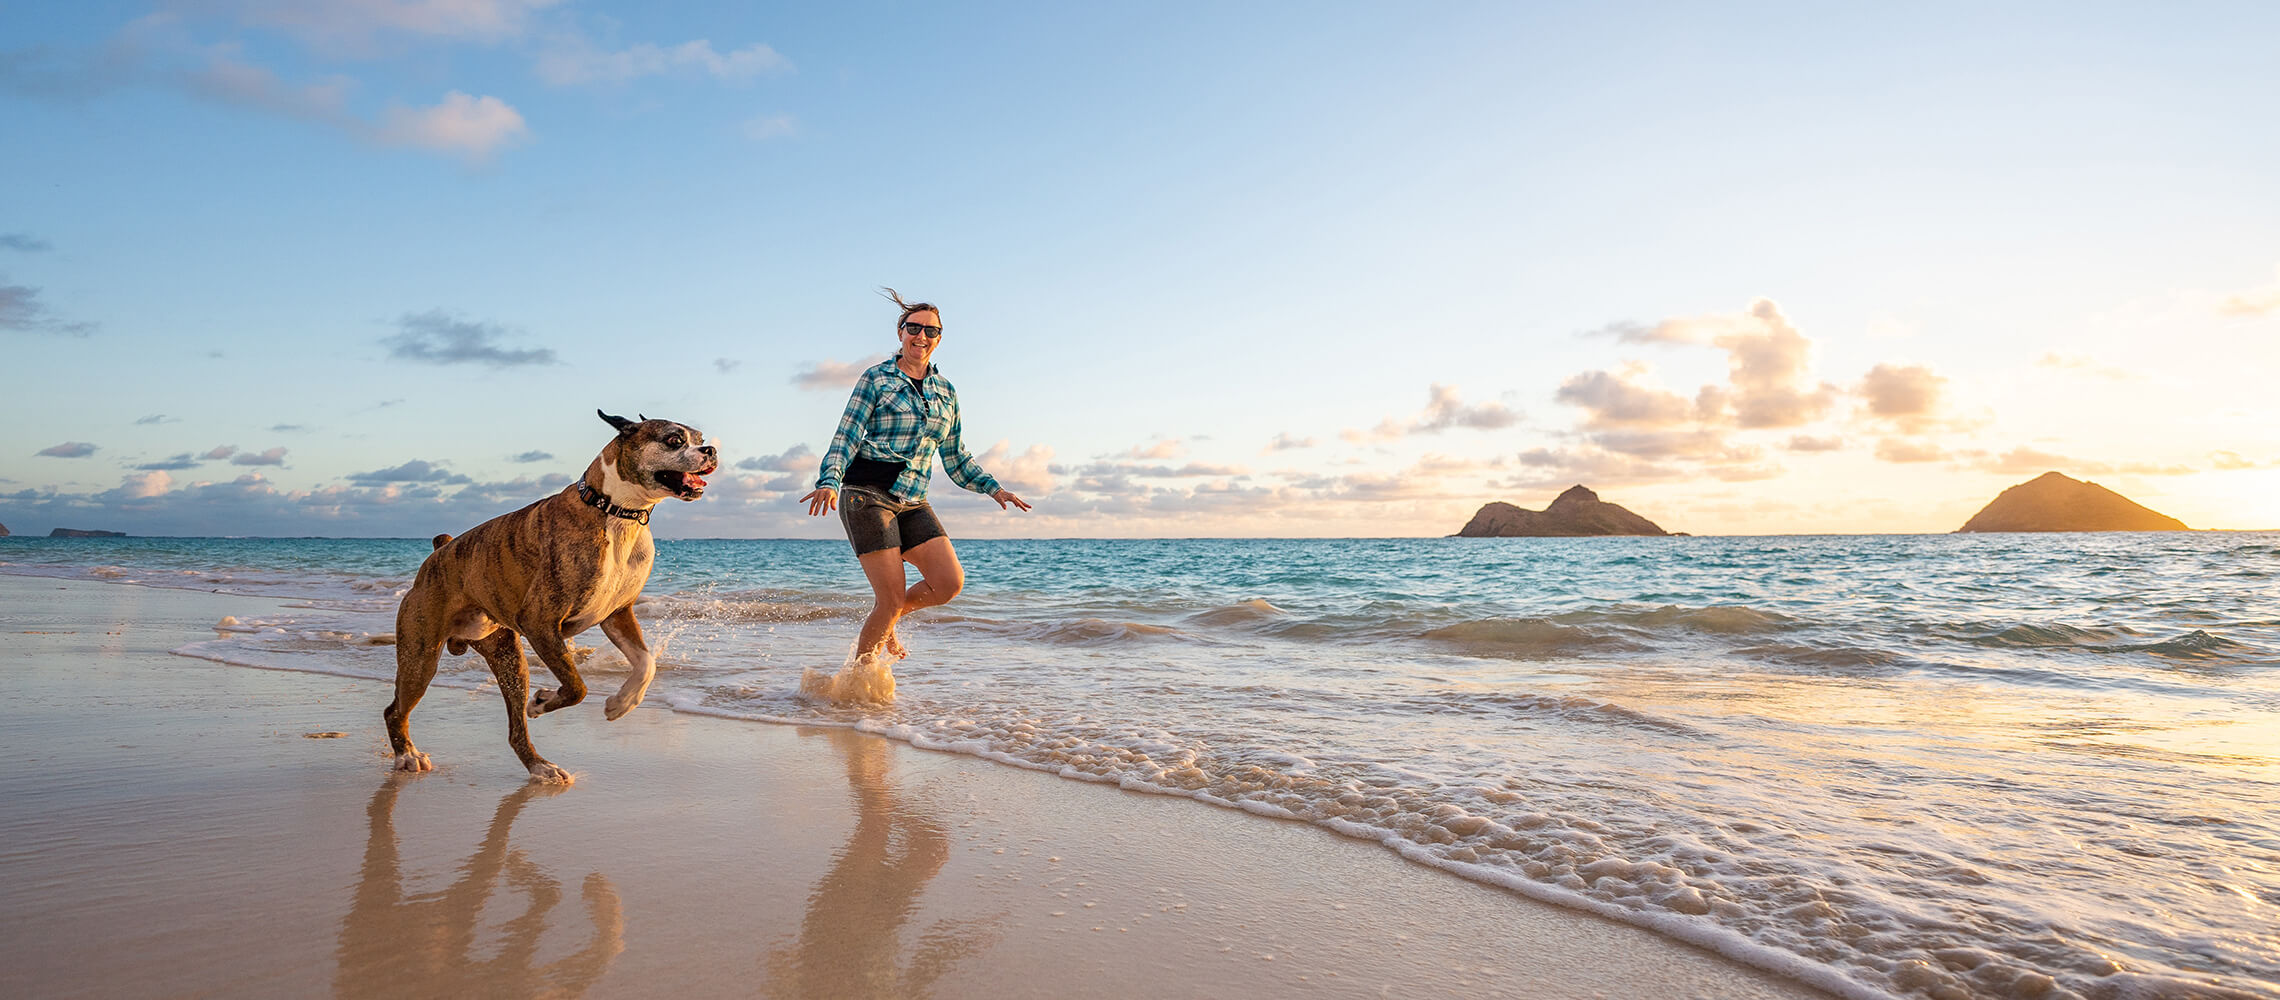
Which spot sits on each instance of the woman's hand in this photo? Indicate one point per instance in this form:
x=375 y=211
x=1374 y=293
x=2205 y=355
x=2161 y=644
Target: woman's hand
x=822 y=501
x=1004 y=497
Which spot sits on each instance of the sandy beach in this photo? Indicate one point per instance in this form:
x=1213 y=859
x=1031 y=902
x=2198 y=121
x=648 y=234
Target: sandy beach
x=172 y=829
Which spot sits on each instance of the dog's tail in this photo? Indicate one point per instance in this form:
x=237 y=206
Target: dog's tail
x=442 y=540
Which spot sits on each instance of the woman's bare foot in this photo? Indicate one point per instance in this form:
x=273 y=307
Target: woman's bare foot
x=894 y=644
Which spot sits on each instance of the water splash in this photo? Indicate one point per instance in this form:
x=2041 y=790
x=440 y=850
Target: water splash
x=868 y=678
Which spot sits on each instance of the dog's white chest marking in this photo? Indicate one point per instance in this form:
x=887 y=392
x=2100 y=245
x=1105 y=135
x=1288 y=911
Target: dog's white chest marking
x=618 y=578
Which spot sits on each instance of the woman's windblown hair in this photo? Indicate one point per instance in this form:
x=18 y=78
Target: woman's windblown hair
x=907 y=307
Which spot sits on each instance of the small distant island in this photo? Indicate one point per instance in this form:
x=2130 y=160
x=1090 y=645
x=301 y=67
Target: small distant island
x=3 y=531
x=1576 y=513
x=84 y=533
x=2054 y=502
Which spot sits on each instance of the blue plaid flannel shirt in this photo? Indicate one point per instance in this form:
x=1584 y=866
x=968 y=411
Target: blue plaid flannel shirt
x=887 y=421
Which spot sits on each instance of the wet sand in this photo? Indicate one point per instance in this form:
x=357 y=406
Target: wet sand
x=167 y=828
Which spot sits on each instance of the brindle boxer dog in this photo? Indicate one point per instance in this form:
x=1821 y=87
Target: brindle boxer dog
x=545 y=573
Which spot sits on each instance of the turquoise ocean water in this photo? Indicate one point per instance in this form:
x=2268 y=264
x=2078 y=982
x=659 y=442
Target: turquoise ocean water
x=1985 y=765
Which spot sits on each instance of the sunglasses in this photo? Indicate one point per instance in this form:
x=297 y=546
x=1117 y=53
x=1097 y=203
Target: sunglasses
x=923 y=330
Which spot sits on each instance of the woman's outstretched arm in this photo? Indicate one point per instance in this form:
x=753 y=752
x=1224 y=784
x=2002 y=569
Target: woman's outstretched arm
x=844 y=441
x=959 y=465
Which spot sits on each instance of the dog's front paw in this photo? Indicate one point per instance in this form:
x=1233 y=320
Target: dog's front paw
x=619 y=704
x=537 y=705
x=414 y=761
x=546 y=773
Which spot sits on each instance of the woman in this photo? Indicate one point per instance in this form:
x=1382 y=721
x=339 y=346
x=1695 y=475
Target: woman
x=900 y=415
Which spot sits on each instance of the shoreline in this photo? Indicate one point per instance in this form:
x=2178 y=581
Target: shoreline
x=1205 y=538
x=175 y=829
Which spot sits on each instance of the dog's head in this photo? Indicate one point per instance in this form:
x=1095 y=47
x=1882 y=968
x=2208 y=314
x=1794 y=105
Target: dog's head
x=659 y=458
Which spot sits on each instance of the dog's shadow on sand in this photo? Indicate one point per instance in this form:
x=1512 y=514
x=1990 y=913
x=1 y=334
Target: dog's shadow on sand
x=424 y=944
x=850 y=942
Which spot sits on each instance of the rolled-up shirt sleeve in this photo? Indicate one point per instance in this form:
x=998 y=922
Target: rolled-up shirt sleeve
x=959 y=464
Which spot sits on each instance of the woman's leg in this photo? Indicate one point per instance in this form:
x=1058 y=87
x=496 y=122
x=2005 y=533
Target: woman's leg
x=884 y=569
x=940 y=576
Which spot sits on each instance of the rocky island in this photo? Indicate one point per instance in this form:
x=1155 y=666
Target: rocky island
x=85 y=533
x=1576 y=513
x=2054 y=502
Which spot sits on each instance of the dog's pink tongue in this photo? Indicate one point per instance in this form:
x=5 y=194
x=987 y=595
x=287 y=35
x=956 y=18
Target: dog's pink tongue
x=694 y=480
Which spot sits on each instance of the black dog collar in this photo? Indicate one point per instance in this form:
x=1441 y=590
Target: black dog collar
x=596 y=500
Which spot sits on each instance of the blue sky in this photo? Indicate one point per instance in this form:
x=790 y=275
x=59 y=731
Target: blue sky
x=351 y=267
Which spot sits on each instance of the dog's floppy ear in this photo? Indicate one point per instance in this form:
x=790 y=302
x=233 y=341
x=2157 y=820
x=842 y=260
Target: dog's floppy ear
x=622 y=424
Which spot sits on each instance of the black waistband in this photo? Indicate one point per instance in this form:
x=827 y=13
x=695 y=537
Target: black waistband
x=873 y=473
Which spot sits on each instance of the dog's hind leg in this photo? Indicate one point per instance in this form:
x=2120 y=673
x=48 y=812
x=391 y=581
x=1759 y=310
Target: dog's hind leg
x=417 y=646
x=554 y=650
x=625 y=634
x=503 y=651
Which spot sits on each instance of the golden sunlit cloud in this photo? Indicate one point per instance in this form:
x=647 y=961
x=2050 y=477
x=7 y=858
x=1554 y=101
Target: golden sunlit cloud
x=2258 y=302
x=1906 y=395
x=471 y=127
x=2084 y=365
x=1446 y=409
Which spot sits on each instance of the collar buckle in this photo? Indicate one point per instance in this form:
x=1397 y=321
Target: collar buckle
x=594 y=498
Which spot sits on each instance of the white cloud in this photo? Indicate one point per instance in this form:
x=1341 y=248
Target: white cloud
x=571 y=59
x=1903 y=450
x=415 y=471
x=168 y=50
x=838 y=375
x=440 y=338
x=1767 y=357
x=355 y=23
x=765 y=127
x=1029 y=472
x=1613 y=400
x=472 y=128
x=1192 y=470
x=1444 y=409
x=1700 y=445
x=1905 y=395
x=1285 y=442
x=227 y=79
x=797 y=458
x=145 y=485
x=1159 y=450
x=1769 y=386
x=1434 y=466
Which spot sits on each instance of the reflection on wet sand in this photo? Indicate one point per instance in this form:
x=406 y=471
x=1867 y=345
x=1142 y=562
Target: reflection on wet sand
x=850 y=943
x=425 y=944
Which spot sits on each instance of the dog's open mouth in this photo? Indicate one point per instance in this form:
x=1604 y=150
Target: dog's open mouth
x=686 y=485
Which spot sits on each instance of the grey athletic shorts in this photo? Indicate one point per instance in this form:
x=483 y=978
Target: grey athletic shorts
x=875 y=521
